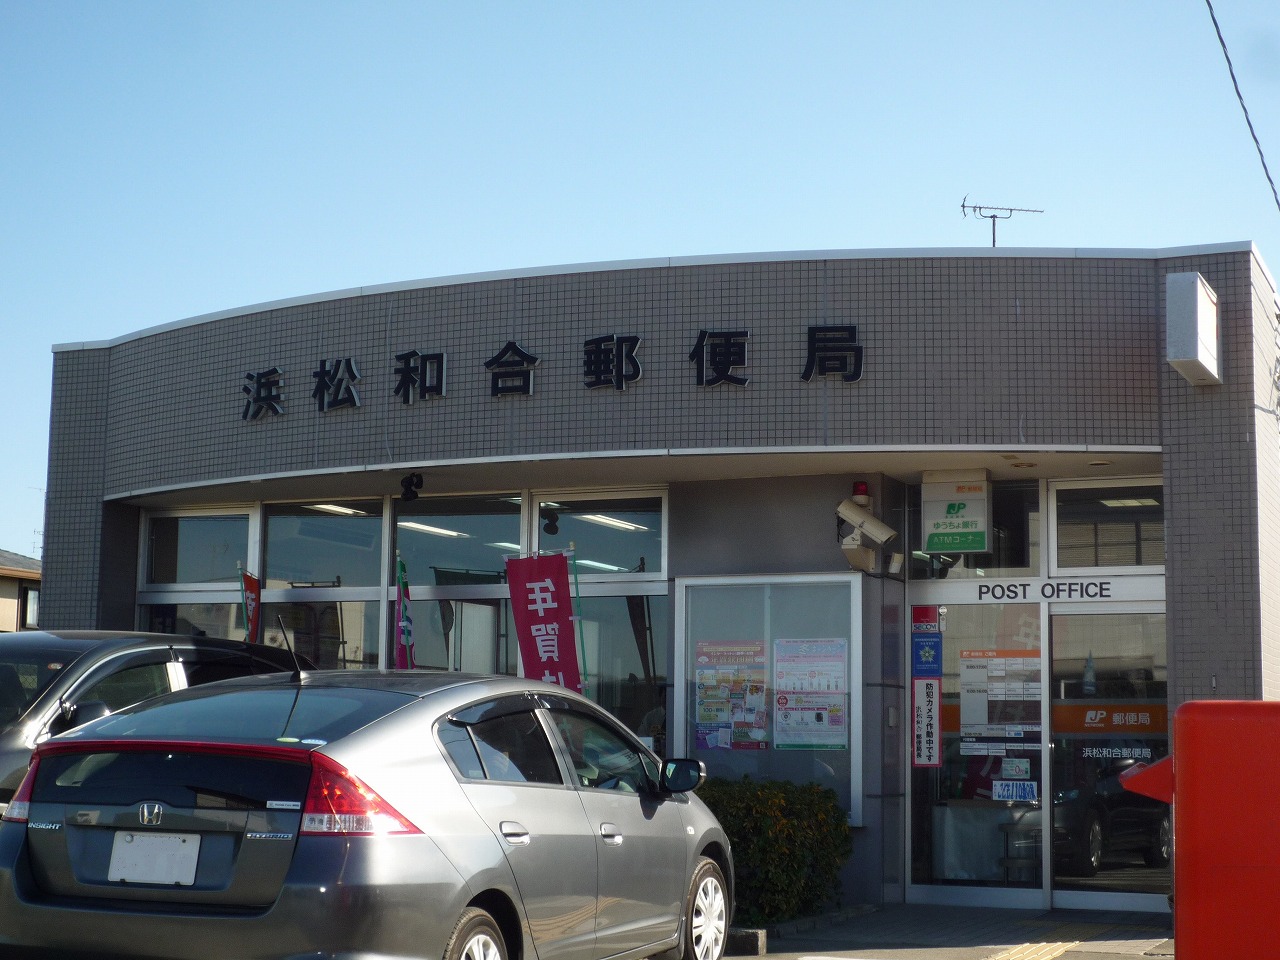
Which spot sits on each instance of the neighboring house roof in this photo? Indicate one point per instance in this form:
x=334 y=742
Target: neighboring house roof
x=16 y=565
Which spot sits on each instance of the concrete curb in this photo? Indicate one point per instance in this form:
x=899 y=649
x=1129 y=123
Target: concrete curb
x=754 y=941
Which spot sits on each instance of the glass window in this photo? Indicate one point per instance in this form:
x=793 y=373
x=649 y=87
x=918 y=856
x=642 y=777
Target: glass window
x=602 y=760
x=257 y=715
x=224 y=620
x=609 y=535
x=458 y=540
x=624 y=650
x=129 y=686
x=196 y=549
x=29 y=606
x=25 y=673
x=977 y=816
x=515 y=748
x=461 y=750
x=476 y=636
x=332 y=634
x=1112 y=526
x=324 y=545
x=179 y=779
x=1110 y=713
x=775 y=680
x=1015 y=537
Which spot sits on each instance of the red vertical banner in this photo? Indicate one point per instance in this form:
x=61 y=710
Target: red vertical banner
x=251 y=590
x=542 y=608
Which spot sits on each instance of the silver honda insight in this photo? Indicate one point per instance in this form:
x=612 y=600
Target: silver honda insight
x=362 y=814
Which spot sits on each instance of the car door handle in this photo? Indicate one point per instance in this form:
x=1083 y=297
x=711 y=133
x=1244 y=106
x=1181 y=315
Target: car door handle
x=610 y=833
x=514 y=833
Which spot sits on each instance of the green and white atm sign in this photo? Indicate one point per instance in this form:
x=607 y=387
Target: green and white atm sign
x=956 y=515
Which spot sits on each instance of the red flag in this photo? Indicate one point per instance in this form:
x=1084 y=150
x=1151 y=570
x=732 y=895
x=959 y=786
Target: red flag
x=251 y=591
x=542 y=608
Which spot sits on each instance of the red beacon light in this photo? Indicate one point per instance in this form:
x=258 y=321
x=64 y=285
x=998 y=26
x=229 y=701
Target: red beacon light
x=861 y=493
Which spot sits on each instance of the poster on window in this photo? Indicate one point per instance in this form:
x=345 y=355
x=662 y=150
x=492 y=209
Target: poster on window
x=999 y=701
x=731 y=710
x=810 y=699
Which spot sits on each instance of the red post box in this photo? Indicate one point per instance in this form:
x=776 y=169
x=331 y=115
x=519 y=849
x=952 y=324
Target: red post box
x=1223 y=780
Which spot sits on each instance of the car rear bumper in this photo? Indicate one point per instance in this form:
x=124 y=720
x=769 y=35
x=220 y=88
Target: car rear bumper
x=337 y=902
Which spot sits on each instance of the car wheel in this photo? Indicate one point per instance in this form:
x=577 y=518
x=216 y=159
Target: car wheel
x=476 y=937
x=706 y=913
x=1161 y=850
x=1087 y=857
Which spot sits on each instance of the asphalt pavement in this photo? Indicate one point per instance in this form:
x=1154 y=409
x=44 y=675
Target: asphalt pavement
x=923 y=932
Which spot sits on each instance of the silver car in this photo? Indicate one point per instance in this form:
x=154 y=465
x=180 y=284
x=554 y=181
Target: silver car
x=358 y=814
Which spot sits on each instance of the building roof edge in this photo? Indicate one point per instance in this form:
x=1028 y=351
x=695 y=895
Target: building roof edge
x=887 y=253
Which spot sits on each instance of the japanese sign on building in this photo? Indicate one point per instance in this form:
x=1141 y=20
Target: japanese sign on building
x=718 y=358
x=926 y=727
x=542 y=609
x=956 y=511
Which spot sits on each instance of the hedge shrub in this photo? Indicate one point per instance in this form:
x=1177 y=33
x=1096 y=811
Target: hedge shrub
x=789 y=842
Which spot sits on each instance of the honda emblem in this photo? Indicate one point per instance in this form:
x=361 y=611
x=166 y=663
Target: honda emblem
x=149 y=814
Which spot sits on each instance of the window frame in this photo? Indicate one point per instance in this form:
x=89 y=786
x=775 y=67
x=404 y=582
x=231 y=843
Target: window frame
x=251 y=512
x=678 y=711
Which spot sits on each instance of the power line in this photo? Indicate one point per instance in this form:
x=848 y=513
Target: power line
x=1239 y=96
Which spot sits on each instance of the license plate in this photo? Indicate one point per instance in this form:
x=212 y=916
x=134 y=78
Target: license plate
x=168 y=858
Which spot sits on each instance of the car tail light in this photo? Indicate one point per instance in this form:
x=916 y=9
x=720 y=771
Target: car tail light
x=20 y=806
x=338 y=803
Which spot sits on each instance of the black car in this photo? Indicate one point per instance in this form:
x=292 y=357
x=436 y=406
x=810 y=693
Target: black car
x=52 y=681
x=1099 y=818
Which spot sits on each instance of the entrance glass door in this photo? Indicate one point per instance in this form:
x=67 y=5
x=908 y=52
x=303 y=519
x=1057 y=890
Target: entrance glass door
x=1109 y=713
x=976 y=814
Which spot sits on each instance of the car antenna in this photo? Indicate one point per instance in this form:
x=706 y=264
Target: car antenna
x=297 y=667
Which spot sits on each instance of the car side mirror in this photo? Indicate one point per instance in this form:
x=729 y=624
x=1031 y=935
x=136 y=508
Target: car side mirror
x=75 y=715
x=681 y=776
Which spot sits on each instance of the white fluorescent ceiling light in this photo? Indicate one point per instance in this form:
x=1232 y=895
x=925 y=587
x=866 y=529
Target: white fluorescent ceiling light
x=606 y=521
x=340 y=511
x=601 y=566
x=427 y=528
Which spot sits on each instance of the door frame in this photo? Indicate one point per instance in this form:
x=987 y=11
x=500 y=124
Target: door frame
x=1102 y=592
x=1094 y=899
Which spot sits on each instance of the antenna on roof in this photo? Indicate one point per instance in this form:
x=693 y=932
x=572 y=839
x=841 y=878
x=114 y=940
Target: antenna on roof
x=1001 y=213
x=297 y=666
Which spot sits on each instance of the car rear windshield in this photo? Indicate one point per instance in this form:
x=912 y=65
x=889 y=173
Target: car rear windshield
x=235 y=781
x=285 y=715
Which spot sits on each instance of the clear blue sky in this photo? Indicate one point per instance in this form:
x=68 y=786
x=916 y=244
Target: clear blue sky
x=164 y=160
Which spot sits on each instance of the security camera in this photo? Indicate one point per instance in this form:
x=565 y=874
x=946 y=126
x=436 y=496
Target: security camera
x=864 y=523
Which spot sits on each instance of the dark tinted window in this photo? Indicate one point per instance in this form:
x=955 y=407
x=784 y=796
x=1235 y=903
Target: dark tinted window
x=515 y=748
x=206 y=666
x=457 y=743
x=186 y=780
x=123 y=688
x=25 y=672
x=256 y=715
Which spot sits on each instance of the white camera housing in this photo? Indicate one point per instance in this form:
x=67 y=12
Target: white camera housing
x=864 y=523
